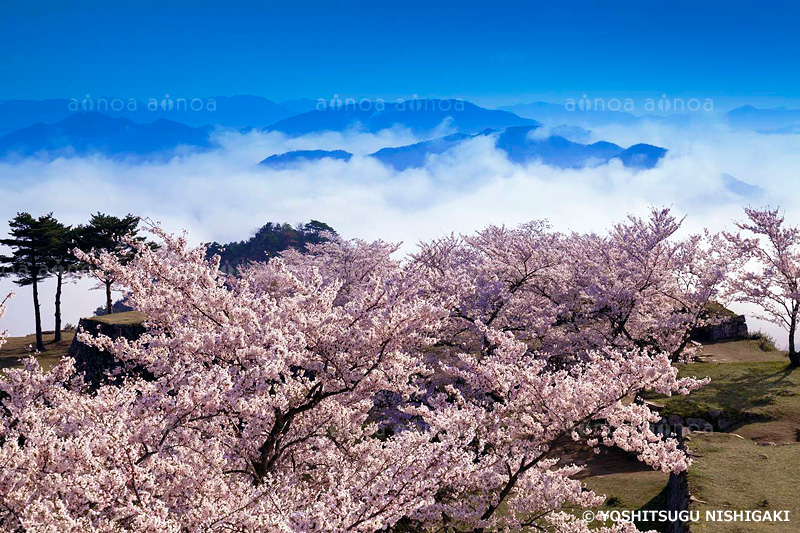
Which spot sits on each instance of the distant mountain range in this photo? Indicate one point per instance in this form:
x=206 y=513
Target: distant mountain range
x=520 y=143
x=556 y=114
x=227 y=111
x=419 y=116
x=296 y=157
x=780 y=120
x=415 y=155
x=740 y=187
x=776 y=120
x=86 y=133
x=94 y=132
x=293 y=117
x=300 y=105
x=300 y=116
x=18 y=114
x=522 y=139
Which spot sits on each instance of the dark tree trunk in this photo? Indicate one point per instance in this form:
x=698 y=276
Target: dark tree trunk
x=38 y=317
x=109 y=303
x=59 y=279
x=794 y=357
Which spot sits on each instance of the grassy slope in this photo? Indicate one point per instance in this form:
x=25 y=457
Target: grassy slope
x=616 y=474
x=754 y=464
x=761 y=397
x=747 y=384
x=627 y=483
x=738 y=352
x=16 y=348
x=760 y=400
x=732 y=472
x=127 y=318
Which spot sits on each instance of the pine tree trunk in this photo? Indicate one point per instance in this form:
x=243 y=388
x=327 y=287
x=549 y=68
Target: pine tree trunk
x=38 y=317
x=109 y=303
x=59 y=279
x=794 y=357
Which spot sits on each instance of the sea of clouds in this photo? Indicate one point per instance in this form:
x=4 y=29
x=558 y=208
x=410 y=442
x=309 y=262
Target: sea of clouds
x=223 y=195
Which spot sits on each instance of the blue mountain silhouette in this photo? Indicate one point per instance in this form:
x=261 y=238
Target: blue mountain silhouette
x=420 y=116
x=414 y=155
x=300 y=105
x=523 y=146
x=556 y=114
x=295 y=157
x=742 y=188
x=84 y=133
x=520 y=143
x=781 y=119
x=228 y=111
x=642 y=155
x=18 y=114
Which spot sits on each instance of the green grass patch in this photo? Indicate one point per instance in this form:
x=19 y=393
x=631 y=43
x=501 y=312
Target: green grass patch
x=17 y=348
x=760 y=401
x=733 y=473
x=716 y=308
x=126 y=318
x=646 y=489
x=756 y=349
x=625 y=482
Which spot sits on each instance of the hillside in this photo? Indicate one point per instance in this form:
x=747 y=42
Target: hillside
x=521 y=144
x=228 y=111
x=86 y=133
x=18 y=348
x=268 y=241
x=419 y=116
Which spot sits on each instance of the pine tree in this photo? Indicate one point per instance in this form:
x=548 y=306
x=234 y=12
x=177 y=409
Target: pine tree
x=31 y=261
x=65 y=240
x=105 y=234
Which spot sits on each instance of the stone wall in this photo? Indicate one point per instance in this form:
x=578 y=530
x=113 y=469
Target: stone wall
x=727 y=328
x=95 y=363
x=678 y=500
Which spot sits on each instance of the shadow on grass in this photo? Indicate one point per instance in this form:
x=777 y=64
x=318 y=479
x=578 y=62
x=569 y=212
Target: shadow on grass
x=656 y=503
x=744 y=392
x=609 y=461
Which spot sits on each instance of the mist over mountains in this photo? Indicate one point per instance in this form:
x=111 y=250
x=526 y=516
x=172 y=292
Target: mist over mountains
x=521 y=144
x=419 y=116
x=747 y=117
x=87 y=133
x=428 y=130
x=135 y=130
x=391 y=173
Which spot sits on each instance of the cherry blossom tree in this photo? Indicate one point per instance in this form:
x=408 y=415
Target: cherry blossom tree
x=326 y=392
x=772 y=279
x=638 y=287
x=642 y=287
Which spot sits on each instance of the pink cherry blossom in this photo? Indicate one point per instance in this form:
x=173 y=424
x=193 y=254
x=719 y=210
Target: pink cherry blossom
x=348 y=390
x=771 y=280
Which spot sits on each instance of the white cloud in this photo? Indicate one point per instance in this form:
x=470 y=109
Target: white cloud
x=223 y=195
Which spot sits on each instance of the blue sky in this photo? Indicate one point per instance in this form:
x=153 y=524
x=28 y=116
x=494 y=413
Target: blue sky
x=490 y=52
